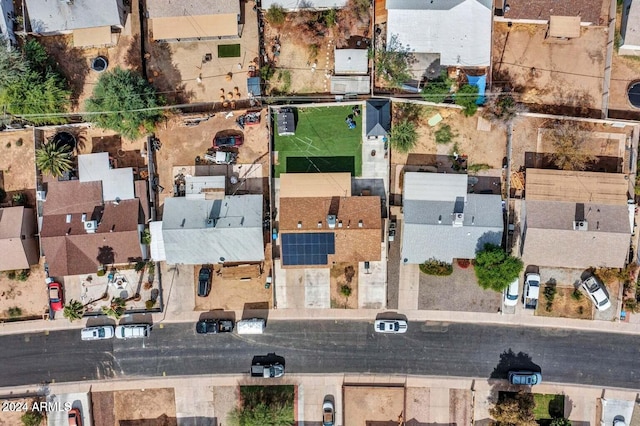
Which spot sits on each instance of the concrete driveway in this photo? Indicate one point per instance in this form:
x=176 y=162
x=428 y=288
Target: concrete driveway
x=372 y=287
x=302 y=288
x=58 y=415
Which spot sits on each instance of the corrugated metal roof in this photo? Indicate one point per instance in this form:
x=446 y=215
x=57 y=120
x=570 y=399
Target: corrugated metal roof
x=460 y=34
x=434 y=186
x=234 y=234
x=356 y=84
x=351 y=61
x=53 y=16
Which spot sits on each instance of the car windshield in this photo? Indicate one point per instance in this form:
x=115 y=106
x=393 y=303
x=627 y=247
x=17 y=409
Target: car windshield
x=101 y=332
x=511 y=296
x=593 y=286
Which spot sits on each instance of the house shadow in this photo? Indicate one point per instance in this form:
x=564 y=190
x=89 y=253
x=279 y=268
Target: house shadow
x=256 y=310
x=165 y=76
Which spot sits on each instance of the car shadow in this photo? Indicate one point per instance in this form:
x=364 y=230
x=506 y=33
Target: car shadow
x=391 y=315
x=219 y=314
x=256 y=310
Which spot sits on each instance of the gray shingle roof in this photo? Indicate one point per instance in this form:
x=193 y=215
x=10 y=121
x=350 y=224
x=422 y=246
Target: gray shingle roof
x=550 y=239
x=235 y=233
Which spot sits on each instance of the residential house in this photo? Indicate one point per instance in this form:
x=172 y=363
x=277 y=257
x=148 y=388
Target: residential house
x=295 y=5
x=321 y=223
x=18 y=243
x=192 y=21
x=7 y=21
x=541 y=11
x=94 y=221
x=221 y=229
x=576 y=219
x=447 y=33
x=443 y=222
x=630 y=28
x=378 y=117
x=91 y=22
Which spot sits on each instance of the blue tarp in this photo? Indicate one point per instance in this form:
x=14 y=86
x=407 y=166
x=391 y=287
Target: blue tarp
x=253 y=86
x=481 y=83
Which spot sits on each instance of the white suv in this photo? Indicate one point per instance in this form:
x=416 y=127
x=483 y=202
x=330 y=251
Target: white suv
x=133 y=331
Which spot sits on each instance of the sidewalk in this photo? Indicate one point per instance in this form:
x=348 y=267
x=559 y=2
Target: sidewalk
x=522 y=318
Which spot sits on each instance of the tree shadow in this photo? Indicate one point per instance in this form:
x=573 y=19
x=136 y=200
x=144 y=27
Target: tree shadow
x=106 y=255
x=133 y=57
x=70 y=61
x=165 y=75
x=510 y=361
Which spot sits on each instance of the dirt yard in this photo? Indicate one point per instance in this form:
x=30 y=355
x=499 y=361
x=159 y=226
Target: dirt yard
x=556 y=73
x=182 y=144
x=127 y=405
x=565 y=305
x=30 y=296
x=17 y=162
x=365 y=405
x=344 y=274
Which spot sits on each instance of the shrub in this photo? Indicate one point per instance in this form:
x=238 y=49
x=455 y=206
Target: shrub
x=101 y=272
x=345 y=290
x=476 y=167
x=444 y=134
x=404 y=136
x=19 y=199
x=631 y=305
x=349 y=273
x=32 y=418
x=276 y=15
x=576 y=295
x=437 y=90
x=146 y=237
x=149 y=304
x=550 y=294
x=23 y=275
x=11 y=275
x=139 y=266
x=466 y=97
x=436 y=267
x=15 y=312
x=19 y=142
x=8 y=145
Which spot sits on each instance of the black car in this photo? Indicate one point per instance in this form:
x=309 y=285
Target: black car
x=204 y=281
x=214 y=326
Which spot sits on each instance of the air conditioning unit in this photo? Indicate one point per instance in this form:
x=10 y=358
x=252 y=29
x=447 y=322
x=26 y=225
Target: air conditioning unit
x=458 y=219
x=91 y=226
x=41 y=195
x=580 y=225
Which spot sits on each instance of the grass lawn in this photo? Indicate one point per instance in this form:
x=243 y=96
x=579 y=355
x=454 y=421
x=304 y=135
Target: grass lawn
x=228 y=51
x=548 y=406
x=321 y=133
x=274 y=403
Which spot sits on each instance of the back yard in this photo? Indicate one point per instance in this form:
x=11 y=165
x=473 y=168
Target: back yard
x=322 y=142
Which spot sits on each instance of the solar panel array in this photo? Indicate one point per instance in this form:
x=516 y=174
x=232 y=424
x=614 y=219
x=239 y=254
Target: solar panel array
x=307 y=248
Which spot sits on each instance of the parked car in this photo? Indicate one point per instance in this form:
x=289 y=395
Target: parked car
x=596 y=292
x=75 y=418
x=204 y=281
x=100 y=332
x=214 y=326
x=531 y=290
x=392 y=230
x=227 y=141
x=328 y=413
x=390 y=326
x=133 y=331
x=511 y=293
x=525 y=378
x=56 y=296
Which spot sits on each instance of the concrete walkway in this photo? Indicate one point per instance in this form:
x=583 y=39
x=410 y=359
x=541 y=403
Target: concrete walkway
x=409 y=276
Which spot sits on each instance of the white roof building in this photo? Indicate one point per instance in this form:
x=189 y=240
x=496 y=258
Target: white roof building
x=630 y=28
x=458 y=30
x=351 y=61
x=117 y=184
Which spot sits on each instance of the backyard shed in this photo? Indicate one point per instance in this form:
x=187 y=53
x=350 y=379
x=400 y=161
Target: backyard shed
x=253 y=86
x=351 y=61
x=350 y=84
x=564 y=26
x=286 y=122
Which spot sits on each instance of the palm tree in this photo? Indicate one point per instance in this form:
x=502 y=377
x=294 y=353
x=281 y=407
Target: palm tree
x=54 y=159
x=403 y=136
x=116 y=309
x=73 y=310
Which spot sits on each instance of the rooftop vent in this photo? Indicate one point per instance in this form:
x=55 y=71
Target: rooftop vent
x=580 y=225
x=299 y=224
x=339 y=224
x=68 y=218
x=458 y=219
x=319 y=224
x=91 y=226
x=331 y=221
x=210 y=223
x=84 y=217
x=360 y=224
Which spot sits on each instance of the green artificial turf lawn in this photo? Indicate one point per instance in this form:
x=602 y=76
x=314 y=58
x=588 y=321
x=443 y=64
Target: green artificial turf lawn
x=548 y=406
x=321 y=132
x=228 y=51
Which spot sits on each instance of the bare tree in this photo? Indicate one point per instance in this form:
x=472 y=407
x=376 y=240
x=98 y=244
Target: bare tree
x=502 y=109
x=568 y=139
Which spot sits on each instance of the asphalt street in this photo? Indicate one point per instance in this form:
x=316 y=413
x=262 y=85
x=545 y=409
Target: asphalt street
x=465 y=350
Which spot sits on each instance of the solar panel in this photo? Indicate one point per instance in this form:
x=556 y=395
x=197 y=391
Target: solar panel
x=311 y=248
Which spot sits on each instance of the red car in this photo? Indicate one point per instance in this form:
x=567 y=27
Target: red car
x=56 y=298
x=75 y=418
x=227 y=141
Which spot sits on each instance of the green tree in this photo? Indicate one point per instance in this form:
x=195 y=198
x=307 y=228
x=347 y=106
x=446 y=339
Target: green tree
x=393 y=62
x=32 y=418
x=404 y=136
x=560 y=421
x=502 y=109
x=466 y=97
x=515 y=410
x=438 y=89
x=444 y=134
x=54 y=159
x=568 y=139
x=116 y=309
x=38 y=92
x=73 y=310
x=495 y=269
x=276 y=15
x=12 y=65
x=125 y=102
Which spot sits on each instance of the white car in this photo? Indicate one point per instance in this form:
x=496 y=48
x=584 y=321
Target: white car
x=511 y=293
x=390 y=326
x=596 y=292
x=133 y=331
x=101 y=332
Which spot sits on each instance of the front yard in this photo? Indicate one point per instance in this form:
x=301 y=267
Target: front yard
x=23 y=299
x=322 y=142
